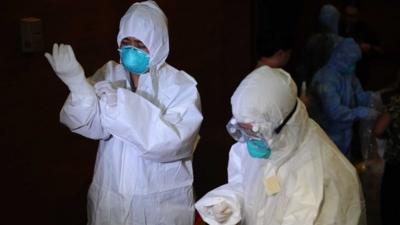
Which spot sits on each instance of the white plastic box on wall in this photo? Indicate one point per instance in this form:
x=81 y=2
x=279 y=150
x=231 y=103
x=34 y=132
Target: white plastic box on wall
x=31 y=34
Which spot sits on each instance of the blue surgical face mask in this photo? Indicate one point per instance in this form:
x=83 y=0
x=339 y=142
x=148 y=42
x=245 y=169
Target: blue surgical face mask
x=350 y=70
x=258 y=148
x=134 y=60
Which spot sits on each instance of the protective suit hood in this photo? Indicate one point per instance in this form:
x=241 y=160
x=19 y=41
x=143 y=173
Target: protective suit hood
x=146 y=22
x=329 y=18
x=346 y=53
x=265 y=98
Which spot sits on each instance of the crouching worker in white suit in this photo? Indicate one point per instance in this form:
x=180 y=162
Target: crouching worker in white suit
x=146 y=115
x=283 y=169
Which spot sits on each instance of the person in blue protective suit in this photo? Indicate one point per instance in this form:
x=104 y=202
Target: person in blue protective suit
x=146 y=115
x=328 y=19
x=319 y=46
x=337 y=96
x=283 y=169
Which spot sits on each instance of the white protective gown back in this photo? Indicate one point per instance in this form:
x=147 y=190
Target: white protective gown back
x=306 y=180
x=143 y=173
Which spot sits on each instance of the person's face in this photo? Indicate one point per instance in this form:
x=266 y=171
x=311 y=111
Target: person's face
x=351 y=14
x=131 y=41
x=248 y=129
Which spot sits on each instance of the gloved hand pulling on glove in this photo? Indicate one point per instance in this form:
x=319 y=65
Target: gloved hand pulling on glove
x=67 y=68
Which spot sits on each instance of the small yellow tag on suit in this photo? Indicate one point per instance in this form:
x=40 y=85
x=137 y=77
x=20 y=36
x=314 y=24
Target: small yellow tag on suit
x=271 y=185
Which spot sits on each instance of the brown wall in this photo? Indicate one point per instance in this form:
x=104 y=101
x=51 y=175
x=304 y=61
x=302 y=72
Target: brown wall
x=46 y=168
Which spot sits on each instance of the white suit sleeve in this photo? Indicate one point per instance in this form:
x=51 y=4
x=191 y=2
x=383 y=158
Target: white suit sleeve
x=81 y=114
x=232 y=192
x=160 y=135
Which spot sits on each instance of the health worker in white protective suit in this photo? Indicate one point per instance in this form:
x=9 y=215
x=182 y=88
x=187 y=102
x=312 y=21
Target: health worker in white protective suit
x=283 y=169
x=146 y=115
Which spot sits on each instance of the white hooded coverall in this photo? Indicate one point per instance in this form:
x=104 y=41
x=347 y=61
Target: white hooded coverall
x=305 y=181
x=143 y=173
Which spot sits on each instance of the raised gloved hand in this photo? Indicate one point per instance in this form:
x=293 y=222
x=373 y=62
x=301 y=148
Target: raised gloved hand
x=106 y=92
x=221 y=211
x=67 y=68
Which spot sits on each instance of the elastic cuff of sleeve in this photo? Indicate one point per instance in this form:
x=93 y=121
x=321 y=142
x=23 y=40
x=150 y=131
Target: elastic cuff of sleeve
x=83 y=99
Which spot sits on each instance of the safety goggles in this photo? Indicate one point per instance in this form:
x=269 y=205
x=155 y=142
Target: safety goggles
x=240 y=133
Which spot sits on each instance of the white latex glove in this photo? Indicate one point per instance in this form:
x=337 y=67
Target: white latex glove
x=106 y=92
x=67 y=68
x=221 y=211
